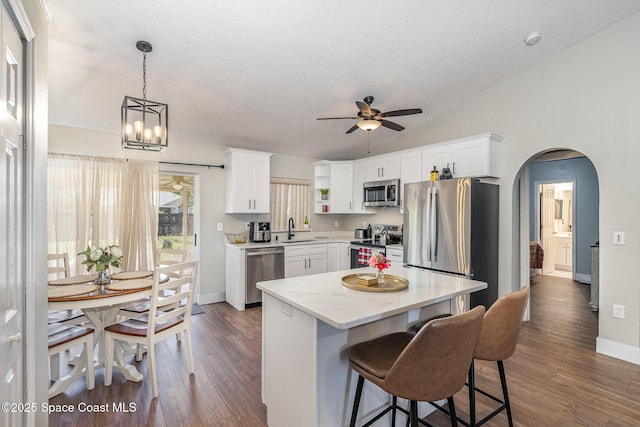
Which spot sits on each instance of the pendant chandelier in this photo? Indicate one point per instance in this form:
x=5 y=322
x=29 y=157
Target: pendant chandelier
x=144 y=122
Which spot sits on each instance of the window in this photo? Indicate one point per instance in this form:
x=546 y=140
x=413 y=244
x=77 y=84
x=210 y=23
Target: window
x=289 y=199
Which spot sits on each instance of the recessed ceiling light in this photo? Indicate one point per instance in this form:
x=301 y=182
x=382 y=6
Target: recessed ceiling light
x=532 y=38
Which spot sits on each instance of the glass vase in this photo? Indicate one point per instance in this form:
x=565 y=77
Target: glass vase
x=103 y=277
x=380 y=277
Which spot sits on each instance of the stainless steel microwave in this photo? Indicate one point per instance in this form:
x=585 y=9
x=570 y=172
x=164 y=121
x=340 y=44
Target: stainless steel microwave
x=382 y=193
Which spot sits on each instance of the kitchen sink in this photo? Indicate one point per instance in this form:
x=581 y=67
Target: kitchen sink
x=297 y=241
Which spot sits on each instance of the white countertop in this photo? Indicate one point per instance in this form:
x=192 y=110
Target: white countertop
x=323 y=296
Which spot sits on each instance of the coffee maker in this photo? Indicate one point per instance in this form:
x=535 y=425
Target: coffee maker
x=260 y=231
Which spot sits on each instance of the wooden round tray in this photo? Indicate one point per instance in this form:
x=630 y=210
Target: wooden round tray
x=391 y=283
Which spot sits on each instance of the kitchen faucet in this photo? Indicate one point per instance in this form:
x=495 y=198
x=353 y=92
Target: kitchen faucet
x=290 y=232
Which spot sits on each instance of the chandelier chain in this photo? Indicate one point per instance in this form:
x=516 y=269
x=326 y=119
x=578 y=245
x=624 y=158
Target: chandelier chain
x=144 y=76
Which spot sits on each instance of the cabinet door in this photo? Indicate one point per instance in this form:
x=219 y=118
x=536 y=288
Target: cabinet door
x=373 y=170
x=241 y=178
x=439 y=157
x=569 y=253
x=411 y=171
x=341 y=192
x=316 y=264
x=382 y=168
x=470 y=159
x=391 y=167
x=395 y=256
x=560 y=251
x=295 y=266
x=345 y=256
x=260 y=184
x=358 y=189
x=333 y=257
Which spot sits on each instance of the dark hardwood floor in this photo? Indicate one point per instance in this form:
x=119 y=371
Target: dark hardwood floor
x=555 y=377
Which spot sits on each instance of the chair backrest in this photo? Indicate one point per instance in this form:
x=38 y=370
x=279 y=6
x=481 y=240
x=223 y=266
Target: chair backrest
x=501 y=327
x=167 y=256
x=435 y=363
x=53 y=264
x=184 y=289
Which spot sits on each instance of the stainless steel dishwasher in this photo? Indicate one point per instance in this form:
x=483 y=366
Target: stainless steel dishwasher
x=262 y=264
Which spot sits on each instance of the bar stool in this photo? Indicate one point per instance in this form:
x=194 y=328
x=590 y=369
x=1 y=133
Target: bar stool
x=428 y=366
x=497 y=342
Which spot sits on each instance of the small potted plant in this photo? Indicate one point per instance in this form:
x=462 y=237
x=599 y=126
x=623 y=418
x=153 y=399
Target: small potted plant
x=324 y=192
x=306 y=223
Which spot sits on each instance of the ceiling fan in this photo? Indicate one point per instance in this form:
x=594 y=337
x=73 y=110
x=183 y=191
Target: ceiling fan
x=372 y=118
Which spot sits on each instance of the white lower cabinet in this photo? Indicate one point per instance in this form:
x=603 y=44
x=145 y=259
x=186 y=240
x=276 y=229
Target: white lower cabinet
x=563 y=253
x=345 y=256
x=303 y=260
x=333 y=257
x=394 y=255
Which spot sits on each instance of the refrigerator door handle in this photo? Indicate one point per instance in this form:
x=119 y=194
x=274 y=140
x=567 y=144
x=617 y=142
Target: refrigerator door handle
x=427 y=225
x=433 y=224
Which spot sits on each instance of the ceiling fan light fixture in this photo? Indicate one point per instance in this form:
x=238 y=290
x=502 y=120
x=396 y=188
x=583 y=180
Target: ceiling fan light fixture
x=144 y=122
x=369 y=125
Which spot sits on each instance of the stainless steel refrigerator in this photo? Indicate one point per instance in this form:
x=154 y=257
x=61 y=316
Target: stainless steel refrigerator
x=452 y=226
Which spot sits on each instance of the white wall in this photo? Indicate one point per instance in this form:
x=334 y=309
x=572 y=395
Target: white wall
x=586 y=99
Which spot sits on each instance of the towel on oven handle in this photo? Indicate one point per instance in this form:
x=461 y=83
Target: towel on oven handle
x=364 y=254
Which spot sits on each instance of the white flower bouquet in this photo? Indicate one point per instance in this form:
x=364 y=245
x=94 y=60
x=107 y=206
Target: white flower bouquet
x=101 y=258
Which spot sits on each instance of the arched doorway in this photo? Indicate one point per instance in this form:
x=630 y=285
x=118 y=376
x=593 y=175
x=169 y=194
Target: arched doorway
x=569 y=225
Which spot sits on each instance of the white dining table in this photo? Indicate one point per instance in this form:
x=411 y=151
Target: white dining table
x=101 y=308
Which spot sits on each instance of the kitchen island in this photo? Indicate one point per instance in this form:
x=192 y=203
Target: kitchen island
x=309 y=321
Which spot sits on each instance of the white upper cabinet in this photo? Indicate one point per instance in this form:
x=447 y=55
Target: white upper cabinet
x=358 y=188
x=341 y=187
x=336 y=179
x=473 y=157
x=439 y=156
x=382 y=167
x=248 y=176
x=411 y=171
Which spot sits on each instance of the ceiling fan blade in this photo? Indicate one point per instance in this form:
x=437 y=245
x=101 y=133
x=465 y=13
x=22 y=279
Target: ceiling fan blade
x=405 y=112
x=337 y=118
x=364 y=107
x=391 y=125
x=352 y=128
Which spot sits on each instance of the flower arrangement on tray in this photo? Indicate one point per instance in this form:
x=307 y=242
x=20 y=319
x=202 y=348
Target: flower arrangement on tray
x=102 y=259
x=379 y=262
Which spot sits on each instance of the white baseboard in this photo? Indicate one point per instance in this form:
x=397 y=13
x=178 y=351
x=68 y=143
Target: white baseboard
x=211 y=298
x=618 y=350
x=583 y=278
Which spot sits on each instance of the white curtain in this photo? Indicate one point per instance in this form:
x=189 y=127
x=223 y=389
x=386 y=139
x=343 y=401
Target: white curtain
x=289 y=199
x=101 y=201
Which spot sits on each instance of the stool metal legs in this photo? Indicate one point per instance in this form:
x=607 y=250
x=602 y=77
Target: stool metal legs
x=504 y=404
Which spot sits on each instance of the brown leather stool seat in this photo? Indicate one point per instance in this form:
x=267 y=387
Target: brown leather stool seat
x=428 y=366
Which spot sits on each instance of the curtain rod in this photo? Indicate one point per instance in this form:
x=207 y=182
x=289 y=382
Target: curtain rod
x=193 y=164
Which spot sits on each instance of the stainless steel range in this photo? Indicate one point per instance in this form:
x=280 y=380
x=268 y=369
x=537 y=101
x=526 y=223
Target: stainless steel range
x=383 y=235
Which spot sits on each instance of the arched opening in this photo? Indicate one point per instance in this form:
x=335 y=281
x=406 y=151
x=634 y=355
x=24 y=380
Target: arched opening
x=559 y=219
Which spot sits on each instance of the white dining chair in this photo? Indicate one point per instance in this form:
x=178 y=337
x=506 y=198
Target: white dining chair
x=58 y=263
x=62 y=337
x=157 y=325
x=169 y=256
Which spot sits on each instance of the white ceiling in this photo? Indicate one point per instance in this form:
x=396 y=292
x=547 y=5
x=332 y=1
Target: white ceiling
x=256 y=74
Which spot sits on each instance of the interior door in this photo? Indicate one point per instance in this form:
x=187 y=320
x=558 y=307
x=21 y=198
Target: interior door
x=12 y=258
x=548 y=204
